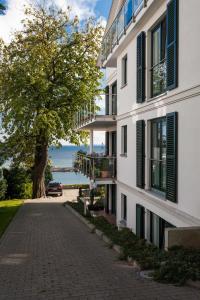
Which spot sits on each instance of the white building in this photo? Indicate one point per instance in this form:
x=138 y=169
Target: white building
x=151 y=52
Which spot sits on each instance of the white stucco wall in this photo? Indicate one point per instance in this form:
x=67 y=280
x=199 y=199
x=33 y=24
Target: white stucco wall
x=185 y=100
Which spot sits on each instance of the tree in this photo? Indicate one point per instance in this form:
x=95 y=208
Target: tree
x=47 y=73
x=2 y=9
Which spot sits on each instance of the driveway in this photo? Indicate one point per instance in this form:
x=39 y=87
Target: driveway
x=47 y=253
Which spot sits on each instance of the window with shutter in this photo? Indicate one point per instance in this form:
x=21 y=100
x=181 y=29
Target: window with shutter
x=172 y=44
x=158 y=63
x=171 y=156
x=107 y=100
x=158 y=154
x=114 y=98
x=141 y=41
x=140 y=221
x=124 y=207
x=124 y=70
x=124 y=140
x=113 y=201
x=107 y=198
x=140 y=153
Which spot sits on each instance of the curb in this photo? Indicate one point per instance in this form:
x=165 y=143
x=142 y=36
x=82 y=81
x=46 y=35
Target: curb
x=118 y=249
x=92 y=228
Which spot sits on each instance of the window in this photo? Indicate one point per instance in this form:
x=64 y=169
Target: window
x=158 y=154
x=124 y=207
x=114 y=98
x=107 y=100
x=158 y=70
x=140 y=221
x=124 y=70
x=124 y=139
x=157 y=230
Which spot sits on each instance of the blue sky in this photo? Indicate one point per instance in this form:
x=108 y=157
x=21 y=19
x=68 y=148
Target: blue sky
x=83 y=8
x=102 y=8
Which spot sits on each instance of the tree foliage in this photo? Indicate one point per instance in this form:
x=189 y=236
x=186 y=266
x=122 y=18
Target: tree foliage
x=2 y=9
x=3 y=186
x=19 y=183
x=47 y=73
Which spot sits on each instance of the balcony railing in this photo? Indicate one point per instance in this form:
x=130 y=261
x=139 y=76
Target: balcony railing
x=89 y=112
x=128 y=12
x=96 y=166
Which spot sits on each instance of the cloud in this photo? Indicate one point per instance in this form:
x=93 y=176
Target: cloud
x=11 y=21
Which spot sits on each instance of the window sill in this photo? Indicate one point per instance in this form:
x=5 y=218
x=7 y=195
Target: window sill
x=124 y=85
x=157 y=97
x=158 y=194
x=123 y=155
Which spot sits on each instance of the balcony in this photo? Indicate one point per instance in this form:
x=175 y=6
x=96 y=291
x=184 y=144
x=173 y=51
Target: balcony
x=97 y=115
x=127 y=14
x=96 y=167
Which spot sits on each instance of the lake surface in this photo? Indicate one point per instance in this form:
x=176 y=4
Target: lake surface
x=63 y=157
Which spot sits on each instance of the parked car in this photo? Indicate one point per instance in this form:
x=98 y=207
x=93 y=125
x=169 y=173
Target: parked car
x=54 y=189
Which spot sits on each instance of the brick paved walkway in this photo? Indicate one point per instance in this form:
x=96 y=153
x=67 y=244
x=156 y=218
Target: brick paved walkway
x=46 y=253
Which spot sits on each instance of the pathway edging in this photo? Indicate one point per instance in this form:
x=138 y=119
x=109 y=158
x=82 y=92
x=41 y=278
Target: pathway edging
x=92 y=228
x=117 y=248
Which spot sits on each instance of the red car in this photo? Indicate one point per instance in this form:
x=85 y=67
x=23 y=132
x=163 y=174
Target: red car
x=54 y=189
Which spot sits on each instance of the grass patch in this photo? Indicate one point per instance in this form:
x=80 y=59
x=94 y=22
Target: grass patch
x=174 y=266
x=8 y=209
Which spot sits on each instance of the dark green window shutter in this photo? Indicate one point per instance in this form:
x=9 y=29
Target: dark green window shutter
x=141 y=50
x=107 y=100
x=140 y=221
x=172 y=44
x=140 y=153
x=171 y=159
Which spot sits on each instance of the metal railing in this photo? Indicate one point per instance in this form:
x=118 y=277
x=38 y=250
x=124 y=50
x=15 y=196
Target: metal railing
x=96 y=166
x=88 y=112
x=128 y=13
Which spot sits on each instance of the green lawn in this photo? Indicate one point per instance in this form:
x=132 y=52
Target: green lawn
x=8 y=209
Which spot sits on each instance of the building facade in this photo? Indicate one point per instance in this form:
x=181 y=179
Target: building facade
x=151 y=55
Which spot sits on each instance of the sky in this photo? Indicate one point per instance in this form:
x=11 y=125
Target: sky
x=83 y=8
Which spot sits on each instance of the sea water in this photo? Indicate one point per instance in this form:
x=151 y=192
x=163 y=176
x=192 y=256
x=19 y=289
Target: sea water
x=63 y=157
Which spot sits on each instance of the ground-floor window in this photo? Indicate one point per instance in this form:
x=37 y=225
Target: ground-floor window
x=157 y=230
x=113 y=198
x=124 y=207
x=140 y=221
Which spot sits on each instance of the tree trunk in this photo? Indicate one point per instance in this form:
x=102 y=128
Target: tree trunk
x=40 y=163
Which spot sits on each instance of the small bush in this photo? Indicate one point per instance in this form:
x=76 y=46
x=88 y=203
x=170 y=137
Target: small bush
x=19 y=183
x=175 y=266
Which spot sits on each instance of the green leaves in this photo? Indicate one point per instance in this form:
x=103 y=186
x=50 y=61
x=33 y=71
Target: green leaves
x=47 y=72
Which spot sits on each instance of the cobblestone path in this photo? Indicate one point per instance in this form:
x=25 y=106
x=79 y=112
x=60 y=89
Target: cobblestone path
x=47 y=253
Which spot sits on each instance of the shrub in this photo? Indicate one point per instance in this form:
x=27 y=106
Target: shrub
x=175 y=266
x=19 y=183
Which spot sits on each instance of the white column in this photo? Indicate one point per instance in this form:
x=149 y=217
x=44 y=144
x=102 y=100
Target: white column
x=91 y=141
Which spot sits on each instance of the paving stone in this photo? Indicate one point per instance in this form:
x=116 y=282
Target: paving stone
x=48 y=253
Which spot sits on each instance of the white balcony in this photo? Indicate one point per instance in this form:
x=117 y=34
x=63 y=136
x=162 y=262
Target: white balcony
x=118 y=34
x=97 y=116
